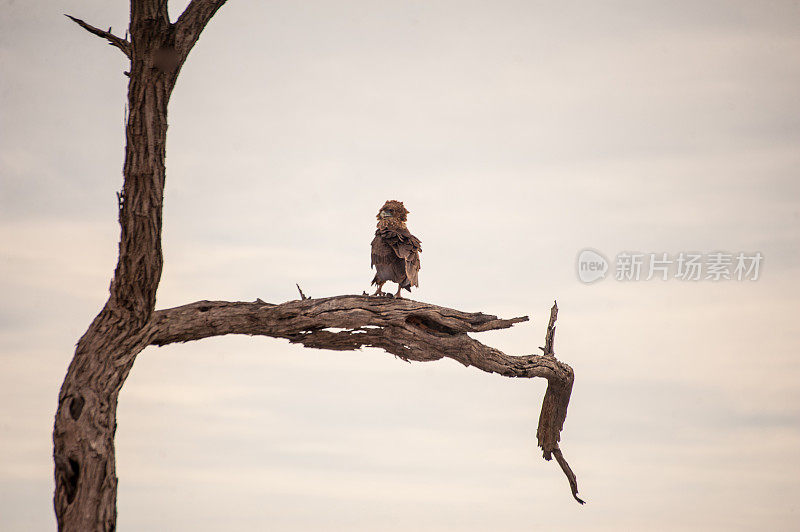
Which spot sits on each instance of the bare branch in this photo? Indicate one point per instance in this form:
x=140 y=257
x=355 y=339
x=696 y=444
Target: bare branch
x=573 y=482
x=191 y=23
x=554 y=407
x=411 y=330
x=302 y=295
x=113 y=40
x=550 y=337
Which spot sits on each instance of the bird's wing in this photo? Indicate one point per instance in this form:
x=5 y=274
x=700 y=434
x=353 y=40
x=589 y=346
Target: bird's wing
x=394 y=244
x=382 y=253
x=412 y=267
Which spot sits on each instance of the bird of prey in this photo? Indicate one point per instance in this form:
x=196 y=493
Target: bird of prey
x=395 y=251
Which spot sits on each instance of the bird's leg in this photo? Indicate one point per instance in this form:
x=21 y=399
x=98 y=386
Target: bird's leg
x=379 y=291
x=397 y=295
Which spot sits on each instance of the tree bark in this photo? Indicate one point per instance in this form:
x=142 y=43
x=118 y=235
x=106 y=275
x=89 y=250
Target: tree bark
x=85 y=421
x=411 y=330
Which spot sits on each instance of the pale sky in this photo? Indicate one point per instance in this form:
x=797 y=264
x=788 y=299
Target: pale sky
x=517 y=134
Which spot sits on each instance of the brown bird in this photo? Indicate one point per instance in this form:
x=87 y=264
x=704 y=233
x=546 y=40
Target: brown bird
x=395 y=251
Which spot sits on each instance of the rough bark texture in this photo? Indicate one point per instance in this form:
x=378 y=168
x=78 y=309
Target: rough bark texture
x=83 y=434
x=85 y=421
x=411 y=330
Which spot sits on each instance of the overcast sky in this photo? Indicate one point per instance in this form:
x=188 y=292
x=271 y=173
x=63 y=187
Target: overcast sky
x=517 y=134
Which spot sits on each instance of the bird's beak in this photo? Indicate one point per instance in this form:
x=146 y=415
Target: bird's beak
x=384 y=214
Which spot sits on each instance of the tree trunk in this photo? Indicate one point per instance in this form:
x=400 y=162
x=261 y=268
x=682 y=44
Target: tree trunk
x=85 y=422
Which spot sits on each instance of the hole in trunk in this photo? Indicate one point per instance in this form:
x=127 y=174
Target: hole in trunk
x=76 y=407
x=72 y=476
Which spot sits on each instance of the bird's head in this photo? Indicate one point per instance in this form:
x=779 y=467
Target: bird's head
x=393 y=209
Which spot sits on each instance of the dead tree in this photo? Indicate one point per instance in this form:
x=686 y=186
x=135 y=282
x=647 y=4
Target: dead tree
x=85 y=422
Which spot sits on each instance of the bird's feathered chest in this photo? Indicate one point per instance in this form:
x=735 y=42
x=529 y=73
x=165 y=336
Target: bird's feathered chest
x=394 y=244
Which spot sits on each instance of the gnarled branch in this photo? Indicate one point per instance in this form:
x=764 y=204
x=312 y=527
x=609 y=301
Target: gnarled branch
x=411 y=330
x=113 y=40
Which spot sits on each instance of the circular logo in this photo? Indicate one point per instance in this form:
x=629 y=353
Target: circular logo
x=592 y=266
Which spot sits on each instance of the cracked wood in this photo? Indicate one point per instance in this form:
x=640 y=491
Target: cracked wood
x=411 y=330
